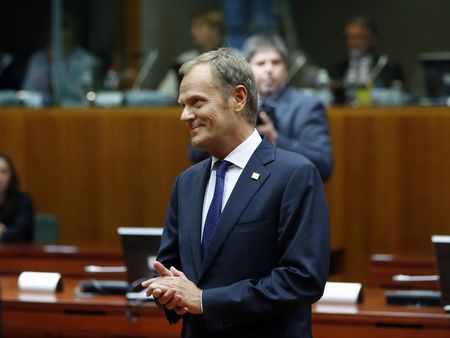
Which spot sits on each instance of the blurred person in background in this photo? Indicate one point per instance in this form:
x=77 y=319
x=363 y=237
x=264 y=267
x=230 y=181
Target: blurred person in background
x=16 y=207
x=207 y=34
x=290 y=119
x=364 y=66
x=78 y=67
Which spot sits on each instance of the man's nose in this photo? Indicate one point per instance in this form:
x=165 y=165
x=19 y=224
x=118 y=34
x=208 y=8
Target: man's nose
x=268 y=67
x=187 y=114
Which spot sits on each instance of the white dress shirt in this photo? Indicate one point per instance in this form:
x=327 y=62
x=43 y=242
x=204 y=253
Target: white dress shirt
x=238 y=158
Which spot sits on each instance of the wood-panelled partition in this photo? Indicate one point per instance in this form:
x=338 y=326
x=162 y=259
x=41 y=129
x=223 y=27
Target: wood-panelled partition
x=102 y=168
x=391 y=188
x=97 y=169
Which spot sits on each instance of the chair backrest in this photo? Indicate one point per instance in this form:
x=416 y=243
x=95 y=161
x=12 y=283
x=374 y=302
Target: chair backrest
x=46 y=228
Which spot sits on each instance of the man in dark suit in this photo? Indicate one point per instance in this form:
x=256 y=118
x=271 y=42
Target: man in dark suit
x=245 y=246
x=298 y=122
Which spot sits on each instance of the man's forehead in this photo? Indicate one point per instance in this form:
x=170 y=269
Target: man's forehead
x=197 y=74
x=265 y=53
x=199 y=78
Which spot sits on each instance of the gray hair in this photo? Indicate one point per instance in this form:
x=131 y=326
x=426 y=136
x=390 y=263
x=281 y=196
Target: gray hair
x=257 y=43
x=231 y=70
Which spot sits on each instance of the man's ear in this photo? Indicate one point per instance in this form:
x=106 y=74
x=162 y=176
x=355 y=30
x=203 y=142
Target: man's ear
x=240 y=98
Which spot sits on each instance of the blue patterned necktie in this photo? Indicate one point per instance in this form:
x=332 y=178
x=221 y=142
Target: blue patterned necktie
x=215 y=208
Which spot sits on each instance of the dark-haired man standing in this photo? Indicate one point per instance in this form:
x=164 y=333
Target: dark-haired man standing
x=245 y=246
x=298 y=122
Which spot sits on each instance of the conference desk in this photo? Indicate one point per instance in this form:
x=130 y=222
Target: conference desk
x=66 y=315
x=63 y=314
x=374 y=319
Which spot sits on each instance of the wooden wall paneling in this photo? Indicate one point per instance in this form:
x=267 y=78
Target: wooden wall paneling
x=97 y=169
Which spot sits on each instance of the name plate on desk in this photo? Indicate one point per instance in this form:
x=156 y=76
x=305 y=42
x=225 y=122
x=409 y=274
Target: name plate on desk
x=40 y=281
x=341 y=293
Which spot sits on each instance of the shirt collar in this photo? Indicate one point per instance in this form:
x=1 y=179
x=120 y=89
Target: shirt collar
x=242 y=153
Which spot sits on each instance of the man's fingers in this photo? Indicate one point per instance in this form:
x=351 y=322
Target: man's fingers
x=177 y=273
x=166 y=297
x=153 y=292
x=161 y=269
x=181 y=310
x=156 y=290
x=147 y=282
x=174 y=302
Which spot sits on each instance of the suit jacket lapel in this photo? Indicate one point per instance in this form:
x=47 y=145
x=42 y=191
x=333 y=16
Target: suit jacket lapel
x=242 y=193
x=195 y=217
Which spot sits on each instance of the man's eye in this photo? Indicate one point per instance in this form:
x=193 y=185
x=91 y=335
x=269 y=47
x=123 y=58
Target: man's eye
x=196 y=102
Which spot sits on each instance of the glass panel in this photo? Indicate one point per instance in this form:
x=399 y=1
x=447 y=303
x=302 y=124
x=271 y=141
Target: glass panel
x=126 y=52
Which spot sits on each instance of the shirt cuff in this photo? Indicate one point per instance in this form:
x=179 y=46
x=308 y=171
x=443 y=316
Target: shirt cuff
x=201 y=301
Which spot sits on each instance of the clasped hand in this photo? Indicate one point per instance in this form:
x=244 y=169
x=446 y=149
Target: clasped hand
x=174 y=290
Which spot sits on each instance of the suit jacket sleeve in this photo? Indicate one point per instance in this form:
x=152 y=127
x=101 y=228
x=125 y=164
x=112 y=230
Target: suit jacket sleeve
x=311 y=138
x=168 y=251
x=302 y=268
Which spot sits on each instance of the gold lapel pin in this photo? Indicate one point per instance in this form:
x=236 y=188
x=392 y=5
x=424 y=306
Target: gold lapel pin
x=255 y=176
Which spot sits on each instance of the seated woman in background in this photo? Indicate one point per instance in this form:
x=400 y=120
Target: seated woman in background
x=16 y=207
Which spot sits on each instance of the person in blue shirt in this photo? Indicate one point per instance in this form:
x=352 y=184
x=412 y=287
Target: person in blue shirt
x=16 y=207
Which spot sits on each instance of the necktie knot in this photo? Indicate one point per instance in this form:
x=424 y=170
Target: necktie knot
x=221 y=168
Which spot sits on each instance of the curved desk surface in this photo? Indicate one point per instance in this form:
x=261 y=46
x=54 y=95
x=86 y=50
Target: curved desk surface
x=64 y=314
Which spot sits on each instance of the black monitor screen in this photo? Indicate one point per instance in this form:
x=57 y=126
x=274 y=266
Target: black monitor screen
x=436 y=67
x=140 y=247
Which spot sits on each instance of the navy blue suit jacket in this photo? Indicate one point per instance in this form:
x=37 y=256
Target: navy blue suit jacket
x=268 y=260
x=303 y=128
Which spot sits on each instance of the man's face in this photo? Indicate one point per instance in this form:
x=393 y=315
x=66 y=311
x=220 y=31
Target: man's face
x=269 y=70
x=209 y=116
x=358 y=38
x=5 y=176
